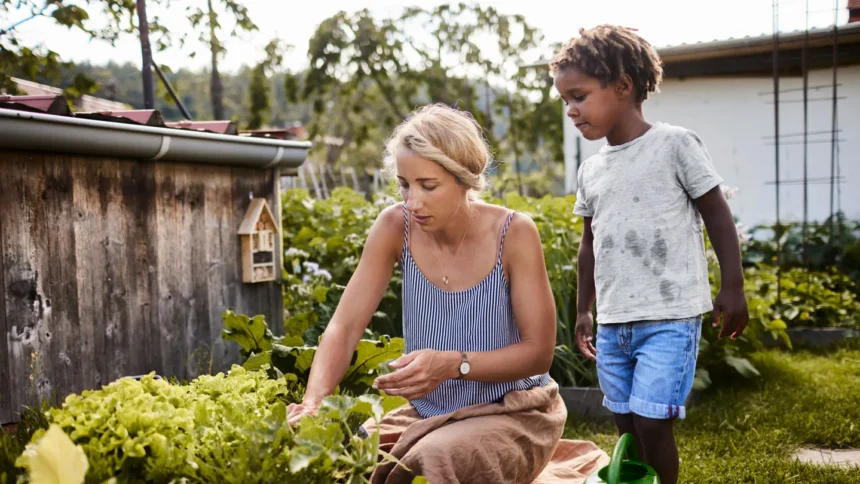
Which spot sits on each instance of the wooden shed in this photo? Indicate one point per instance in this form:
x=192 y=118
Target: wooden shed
x=121 y=249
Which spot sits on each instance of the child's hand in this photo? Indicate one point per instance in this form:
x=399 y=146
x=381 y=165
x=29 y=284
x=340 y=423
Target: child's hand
x=585 y=336
x=731 y=308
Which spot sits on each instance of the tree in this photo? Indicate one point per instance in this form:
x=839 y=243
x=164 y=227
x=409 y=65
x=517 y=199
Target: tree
x=146 y=54
x=210 y=24
x=354 y=57
x=38 y=61
x=259 y=93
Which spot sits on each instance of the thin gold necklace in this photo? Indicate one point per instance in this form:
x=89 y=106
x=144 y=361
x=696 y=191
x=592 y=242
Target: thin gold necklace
x=439 y=249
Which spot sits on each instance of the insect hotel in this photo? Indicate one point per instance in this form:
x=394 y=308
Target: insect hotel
x=124 y=239
x=259 y=232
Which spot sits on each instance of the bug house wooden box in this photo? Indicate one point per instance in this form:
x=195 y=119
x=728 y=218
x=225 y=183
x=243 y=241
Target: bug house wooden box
x=260 y=235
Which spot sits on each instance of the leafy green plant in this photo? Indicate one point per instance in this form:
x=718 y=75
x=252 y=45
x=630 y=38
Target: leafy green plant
x=221 y=428
x=324 y=240
x=263 y=350
x=784 y=244
x=12 y=444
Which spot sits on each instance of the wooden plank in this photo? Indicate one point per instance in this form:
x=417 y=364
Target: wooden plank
x=142 y=267
x=221 y=248
x=198 y=330
x=276 y=299
x=247 y=184
x=115 y=310
x=245 y=297
x=62 y=266
x=5 y=387
x=27 y=305
x=89 y=269
x=172 y=308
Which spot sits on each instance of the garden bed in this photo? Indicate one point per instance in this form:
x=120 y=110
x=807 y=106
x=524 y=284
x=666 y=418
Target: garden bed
x=584 y=403
x=814 y=337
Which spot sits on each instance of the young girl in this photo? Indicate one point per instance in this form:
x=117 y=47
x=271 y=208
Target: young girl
x=478 y=317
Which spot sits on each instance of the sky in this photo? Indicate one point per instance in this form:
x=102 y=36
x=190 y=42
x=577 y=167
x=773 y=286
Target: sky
x=662 y=22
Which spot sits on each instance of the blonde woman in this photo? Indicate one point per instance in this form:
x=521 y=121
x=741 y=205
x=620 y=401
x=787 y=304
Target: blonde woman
x=478 y=317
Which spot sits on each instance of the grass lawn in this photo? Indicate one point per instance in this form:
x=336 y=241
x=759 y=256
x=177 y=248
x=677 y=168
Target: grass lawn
x=746 y=431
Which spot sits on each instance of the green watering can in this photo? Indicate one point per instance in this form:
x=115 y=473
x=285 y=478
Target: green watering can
x=624 y=468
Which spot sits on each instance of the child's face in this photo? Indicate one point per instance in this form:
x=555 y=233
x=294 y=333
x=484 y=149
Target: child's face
x=594 y=109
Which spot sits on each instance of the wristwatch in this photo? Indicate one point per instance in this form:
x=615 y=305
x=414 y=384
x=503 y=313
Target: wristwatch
x=465 y=367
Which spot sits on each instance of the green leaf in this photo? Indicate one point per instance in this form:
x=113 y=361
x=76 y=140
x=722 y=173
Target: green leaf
x=258 y=361
x=776 y=324
x=252 y=334
x=702 y=379
x=320 y=294
x=369 y=354
x=295 y=359
x=742 y=366
x=54 y=459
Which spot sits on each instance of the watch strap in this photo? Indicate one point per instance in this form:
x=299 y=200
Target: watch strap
x=463 y=359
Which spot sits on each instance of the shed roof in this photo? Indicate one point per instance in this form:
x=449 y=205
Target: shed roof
x=848 y=34
x=40 y=123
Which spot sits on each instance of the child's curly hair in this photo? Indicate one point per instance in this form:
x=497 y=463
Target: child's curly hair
x=606 y=52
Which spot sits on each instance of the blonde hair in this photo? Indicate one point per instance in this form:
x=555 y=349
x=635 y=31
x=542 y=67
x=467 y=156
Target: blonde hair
x=446 y=136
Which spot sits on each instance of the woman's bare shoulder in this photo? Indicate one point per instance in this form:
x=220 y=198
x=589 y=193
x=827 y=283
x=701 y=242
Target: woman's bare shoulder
x=523 y=234
x=388 y=229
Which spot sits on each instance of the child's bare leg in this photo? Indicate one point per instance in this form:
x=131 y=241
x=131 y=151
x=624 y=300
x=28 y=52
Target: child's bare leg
x=658 y=437
x=625 y=425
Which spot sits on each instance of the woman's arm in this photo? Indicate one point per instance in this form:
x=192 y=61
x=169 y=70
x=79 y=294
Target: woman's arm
x=360 y=299
x=420 y=372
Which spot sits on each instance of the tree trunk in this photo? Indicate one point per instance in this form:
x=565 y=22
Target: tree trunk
x=215 y=87
x=512 y=130
x=146 y=52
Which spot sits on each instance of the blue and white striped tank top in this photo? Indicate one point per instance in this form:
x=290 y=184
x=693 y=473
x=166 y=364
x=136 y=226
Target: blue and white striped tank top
x=472 y=320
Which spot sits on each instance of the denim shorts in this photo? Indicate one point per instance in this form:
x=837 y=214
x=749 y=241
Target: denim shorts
x=647 y=367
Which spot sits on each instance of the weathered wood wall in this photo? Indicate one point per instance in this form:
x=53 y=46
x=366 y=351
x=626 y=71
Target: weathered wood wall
x=113 y=267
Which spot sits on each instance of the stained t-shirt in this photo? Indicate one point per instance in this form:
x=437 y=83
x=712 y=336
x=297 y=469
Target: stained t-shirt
x=649 y=250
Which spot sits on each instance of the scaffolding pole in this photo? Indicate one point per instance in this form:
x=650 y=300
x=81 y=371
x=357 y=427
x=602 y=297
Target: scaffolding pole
x=778 y=226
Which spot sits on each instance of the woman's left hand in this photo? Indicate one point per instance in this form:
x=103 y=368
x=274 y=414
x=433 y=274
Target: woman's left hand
x=419 y=373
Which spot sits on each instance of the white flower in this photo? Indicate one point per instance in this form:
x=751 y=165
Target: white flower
x=293 y=252
x=567 y=268
x=311 y=266
x=324 y=274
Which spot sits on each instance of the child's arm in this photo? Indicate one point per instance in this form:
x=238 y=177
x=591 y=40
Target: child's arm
x=731 y=303
x=585 y=294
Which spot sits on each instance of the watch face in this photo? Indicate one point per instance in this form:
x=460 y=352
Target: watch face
x=465 y=367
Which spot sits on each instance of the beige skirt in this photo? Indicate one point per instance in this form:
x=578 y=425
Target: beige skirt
x=515 y=441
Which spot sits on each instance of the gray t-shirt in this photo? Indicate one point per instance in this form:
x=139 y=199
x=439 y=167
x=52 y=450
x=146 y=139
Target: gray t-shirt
x=648 y=240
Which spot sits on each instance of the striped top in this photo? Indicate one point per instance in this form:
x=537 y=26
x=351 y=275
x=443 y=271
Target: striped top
x=476 y=319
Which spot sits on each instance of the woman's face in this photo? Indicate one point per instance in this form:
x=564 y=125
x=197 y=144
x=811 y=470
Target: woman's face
x=430 y=192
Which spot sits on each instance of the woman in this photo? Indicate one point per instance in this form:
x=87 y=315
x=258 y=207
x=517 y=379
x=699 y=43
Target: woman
x=478 y=317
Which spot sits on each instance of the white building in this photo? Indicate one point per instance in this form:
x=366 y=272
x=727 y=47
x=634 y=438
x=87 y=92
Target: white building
x=723 y=90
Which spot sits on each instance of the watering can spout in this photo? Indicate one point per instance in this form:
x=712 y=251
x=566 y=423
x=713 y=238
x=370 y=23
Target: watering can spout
x=625 y=468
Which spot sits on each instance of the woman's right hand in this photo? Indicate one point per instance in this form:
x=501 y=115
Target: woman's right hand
x=297 y=411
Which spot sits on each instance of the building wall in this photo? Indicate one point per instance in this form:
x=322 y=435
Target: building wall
x=734 y=117
x=113 y=268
